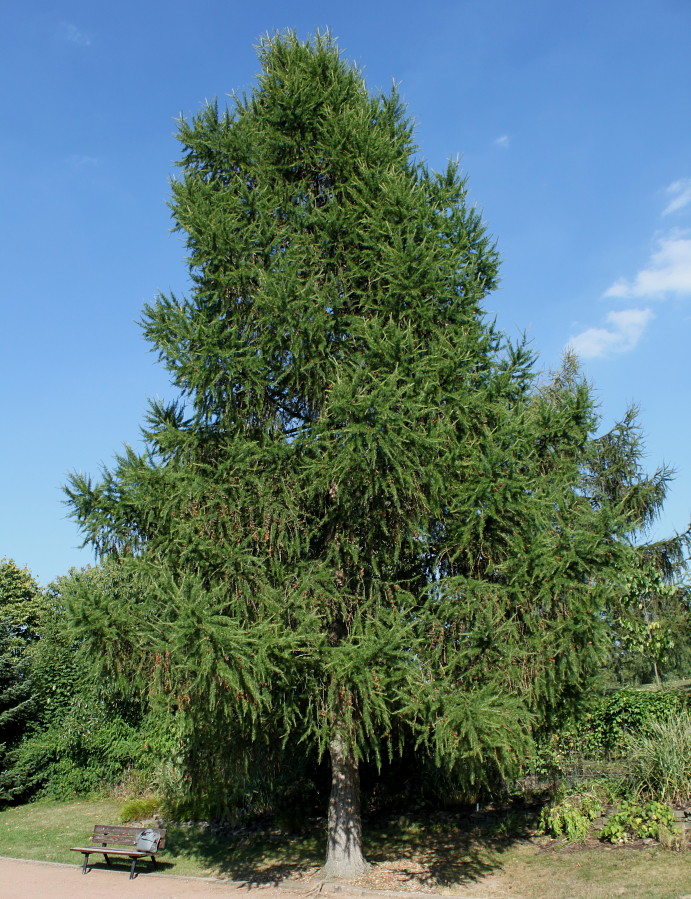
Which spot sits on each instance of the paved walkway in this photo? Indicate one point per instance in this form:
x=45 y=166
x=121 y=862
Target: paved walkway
x=24 y=879
x=21 y=879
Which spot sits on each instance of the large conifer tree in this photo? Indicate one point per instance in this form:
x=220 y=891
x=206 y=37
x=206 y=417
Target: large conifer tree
x=360 y=524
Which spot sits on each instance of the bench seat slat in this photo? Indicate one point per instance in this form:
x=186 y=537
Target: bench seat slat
x=111 y=850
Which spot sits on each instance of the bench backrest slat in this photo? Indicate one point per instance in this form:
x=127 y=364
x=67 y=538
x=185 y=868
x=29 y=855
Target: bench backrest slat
x=120 y=836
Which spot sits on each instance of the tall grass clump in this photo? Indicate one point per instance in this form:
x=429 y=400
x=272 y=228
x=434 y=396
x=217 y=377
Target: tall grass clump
x=660 y=758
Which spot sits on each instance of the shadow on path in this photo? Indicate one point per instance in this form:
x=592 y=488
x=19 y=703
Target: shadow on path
x=405 y=855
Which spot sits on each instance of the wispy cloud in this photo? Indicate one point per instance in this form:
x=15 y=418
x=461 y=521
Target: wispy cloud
x=504 y=142
x=668 y=271
x=72 y=34
x=81 y=161
x=624 y=330
x=680 y=193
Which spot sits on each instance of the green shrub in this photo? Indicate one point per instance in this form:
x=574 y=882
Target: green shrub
x=634 y=820
x=660 y=758
x=139 y=809
x=83 y=754
x=571 y=814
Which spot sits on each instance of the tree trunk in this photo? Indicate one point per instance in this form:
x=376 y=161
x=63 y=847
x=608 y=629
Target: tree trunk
x=344 y=857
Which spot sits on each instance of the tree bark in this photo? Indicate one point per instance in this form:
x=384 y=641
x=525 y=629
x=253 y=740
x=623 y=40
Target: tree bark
x=344 y=858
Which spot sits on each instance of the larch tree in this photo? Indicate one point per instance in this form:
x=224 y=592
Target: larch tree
x=361 y=523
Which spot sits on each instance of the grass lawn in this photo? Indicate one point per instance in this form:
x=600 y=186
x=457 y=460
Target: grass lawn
x=441 y=854
x=45 y=831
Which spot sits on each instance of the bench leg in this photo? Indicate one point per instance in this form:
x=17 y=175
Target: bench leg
x=132 y=867
x=153 y=861
x=85 y=863
x=106 y=858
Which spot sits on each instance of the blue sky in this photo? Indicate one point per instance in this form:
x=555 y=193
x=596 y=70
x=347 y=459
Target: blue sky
x=572 y=121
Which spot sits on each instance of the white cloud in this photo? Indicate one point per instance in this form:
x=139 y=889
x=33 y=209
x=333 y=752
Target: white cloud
x=504 y=142
x=667 y=272
x=680 y=192
x=72 y=34
x=80 y=161
x=625 y=330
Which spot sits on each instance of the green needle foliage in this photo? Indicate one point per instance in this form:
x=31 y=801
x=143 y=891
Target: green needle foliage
x=362 y=524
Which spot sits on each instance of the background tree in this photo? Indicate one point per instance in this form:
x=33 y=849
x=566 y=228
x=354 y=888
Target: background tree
x=15 y=704
x=361 y=526
x=21 y=609
x=72 y=732
x=651 y=620
x=21 y=606
x=649 y=611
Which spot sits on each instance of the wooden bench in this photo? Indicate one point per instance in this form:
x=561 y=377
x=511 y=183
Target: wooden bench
x=117 y=841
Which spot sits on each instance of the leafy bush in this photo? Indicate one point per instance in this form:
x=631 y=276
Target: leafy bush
x=85 y=752
x=660 y=758
x=633 y=820
x=570 y=816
